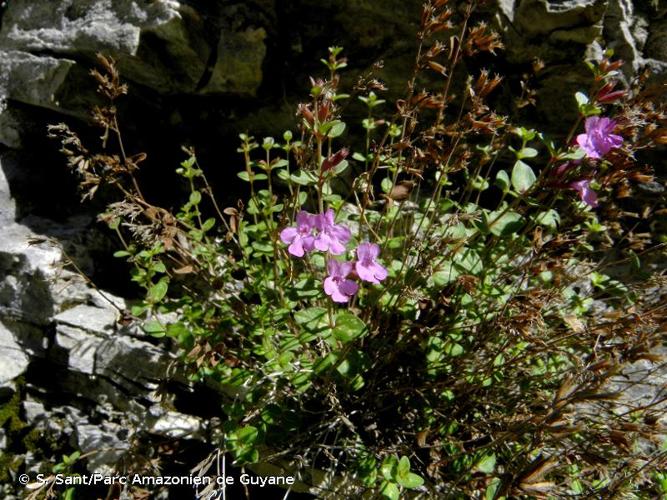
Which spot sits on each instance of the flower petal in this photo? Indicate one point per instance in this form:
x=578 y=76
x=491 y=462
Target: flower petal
x=365 y=272
x=348 y=287
x=333 y=268
x=288 y=234
x=379 y=271
x=296 y=248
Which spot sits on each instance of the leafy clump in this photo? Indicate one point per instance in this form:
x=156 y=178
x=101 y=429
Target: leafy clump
x=422 y=301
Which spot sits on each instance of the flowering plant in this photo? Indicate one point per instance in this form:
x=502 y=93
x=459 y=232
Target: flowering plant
x=430 y=313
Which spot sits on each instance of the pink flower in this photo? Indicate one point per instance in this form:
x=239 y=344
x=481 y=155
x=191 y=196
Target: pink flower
x=336 y=285
x=300 y=238
x=586 y=194
x=598 y=139
x=332 y=237
x=367 y=266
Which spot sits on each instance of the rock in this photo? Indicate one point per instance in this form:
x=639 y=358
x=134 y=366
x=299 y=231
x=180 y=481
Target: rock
x=176 y=425
x=626 y=32
x=238 y=67
x=26 y=268
x=34 y=411
x=162 y=45
x=14 y=360
x=656 y=44
x=543 y=17
x=30 y=79
x=135 y=365
x=79 y=348
x=105 y=443
x=558 y=33
x=97 y=320
x=7 y=204
x=10 y=128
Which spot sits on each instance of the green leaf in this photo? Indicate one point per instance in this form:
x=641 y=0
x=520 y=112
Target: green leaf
x=305 y=288
x=575 y=154
x=389 y=490
x=336 y=129
x=388 y=467
x=453 y=349
x=208 y=224
x=549 y=218
x=348 y=327
x=492 y=489
x=403 y=467
x=243 y=176
x=159 y=267
x=523 y=177
x=479 y=183
x=505 y=224
x=154 y=328
x=527 y=153
x=121 y=253
x=283 y=175
x=177 y=331
x=157 y=292
x=486 y=464
x=138 y=310
x=446 y=275
x=314 y=322
x=341 y=167
x=406 y=478
x=323 y=364
x=582 y=99
x=525 y=133
x=503 y=181
x=303 y=178
x=245 y=436
x=195 y=198
x=386 y=185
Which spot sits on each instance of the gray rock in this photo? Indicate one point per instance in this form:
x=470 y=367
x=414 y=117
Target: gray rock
x=7 y=204
x=177 y=425
x=132 y=363
x=34 y=411
x=162 y=45
x=30 y=337
x=97 y=320
x=10 y=130
x=626 y=33
x=106 y=444
x=30 y=79
x=542 y=17
x=27 y=268
x=88 y=26
x=13 y=361
x=79 y=348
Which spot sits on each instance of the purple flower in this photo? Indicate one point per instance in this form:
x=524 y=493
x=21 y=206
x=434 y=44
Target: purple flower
x=367 y=266
x=336 y=285
x=598 y=139
x=300 y=238
x=332 y=237
x=586 y=194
